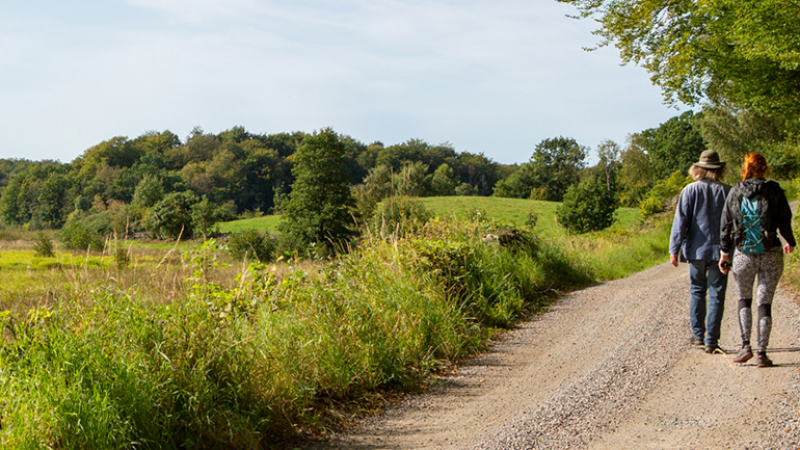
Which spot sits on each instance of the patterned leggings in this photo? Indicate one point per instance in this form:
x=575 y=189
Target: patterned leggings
x=769 y=268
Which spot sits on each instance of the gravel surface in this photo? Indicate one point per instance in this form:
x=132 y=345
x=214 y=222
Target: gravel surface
x=607 y=367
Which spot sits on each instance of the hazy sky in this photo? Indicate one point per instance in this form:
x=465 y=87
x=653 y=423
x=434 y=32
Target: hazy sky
x=494 y=77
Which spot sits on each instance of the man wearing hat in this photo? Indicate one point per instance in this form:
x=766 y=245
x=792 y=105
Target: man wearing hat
x=695 y=239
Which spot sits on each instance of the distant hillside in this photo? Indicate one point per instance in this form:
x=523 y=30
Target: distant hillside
x=512 y=210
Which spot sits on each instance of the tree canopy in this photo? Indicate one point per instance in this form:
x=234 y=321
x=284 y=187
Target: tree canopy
x=237 y=171
x=552 y=169
x=319 y=208
x=741 y=53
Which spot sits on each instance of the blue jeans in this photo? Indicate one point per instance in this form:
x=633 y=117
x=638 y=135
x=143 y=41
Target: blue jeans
x=707 y=317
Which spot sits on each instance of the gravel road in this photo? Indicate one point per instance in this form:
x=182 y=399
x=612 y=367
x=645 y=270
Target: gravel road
x=607 y=367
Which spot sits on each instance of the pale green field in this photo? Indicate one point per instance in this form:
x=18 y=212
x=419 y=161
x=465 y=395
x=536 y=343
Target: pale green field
x=509 y=210
x=268 y=223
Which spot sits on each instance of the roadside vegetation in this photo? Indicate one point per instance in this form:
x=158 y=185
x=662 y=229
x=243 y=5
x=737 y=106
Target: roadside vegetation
x=186 y=346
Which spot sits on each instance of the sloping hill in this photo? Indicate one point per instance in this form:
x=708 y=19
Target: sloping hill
x=511 y=210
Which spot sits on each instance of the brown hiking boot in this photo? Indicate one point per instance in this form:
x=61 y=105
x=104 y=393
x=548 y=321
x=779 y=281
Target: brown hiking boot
x=763 y=361
x=744 y=355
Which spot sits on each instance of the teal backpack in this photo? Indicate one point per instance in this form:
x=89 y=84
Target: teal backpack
x=753 y=233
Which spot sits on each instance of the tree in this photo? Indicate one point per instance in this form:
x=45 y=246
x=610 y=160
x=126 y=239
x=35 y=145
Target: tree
x=442 y=182
x=609 y=153
x=518 y=184
x=477 y=170
x=588 y=206
x=555 y=164
x=675 y=145
x=735 y=133
x=743 y=53
x=318 y=211
x=149 y=191
x=204 y=217
x=552 y=169
x=635 y=176
x=52 y=202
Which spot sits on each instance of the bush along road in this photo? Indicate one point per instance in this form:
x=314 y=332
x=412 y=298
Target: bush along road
x=607 y=367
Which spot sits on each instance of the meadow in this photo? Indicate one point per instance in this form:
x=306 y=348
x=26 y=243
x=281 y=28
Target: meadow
x=512 y=211
x=175 y=345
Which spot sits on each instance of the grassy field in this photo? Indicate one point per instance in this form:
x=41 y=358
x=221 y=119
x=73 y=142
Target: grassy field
x=506 y=210
x=178 y=346
x=266 y=223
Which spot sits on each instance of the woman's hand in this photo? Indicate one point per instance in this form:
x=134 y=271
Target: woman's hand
x=724 y=264
x=788 y=248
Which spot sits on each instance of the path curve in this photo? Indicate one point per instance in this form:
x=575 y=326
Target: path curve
x=607 y=367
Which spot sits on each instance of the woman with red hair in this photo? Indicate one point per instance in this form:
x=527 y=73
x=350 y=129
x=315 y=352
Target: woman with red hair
x=755 y=211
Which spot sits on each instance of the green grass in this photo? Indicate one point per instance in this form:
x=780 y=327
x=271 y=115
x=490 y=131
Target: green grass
x=513 y=211
x=194 y=354
x=507 y=210
x=268 y=223
x=265 y=357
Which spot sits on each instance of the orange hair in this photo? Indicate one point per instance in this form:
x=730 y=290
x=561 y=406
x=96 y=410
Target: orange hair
x=754 y=166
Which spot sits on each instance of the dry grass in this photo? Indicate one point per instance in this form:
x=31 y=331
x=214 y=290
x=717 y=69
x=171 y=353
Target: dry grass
x=156 y=271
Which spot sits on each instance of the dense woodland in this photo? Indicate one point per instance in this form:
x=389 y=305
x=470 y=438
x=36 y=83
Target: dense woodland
x=235 y=170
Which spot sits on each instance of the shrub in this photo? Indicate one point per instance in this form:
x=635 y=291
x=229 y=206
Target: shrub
x=171 y=217
x=662 y=193
x=252 y=245
x=43 y=246
x=588 y=206
x=466 y=190
x=121 y=258
x=76 y=235
x=399 y=216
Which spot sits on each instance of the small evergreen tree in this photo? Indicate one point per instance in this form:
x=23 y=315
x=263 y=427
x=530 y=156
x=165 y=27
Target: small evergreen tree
x=590 y=205
x=318 y=211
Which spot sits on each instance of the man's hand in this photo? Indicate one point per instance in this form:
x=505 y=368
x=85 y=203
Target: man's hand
x=674 y=260
x=788 y=248
x=724 y=264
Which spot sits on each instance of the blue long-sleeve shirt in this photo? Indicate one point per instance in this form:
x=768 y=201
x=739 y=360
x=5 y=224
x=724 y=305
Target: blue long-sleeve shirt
x=696 y=226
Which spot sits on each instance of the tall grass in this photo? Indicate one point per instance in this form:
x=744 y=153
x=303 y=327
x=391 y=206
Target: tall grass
x=252 y=360
x=268 y=357
x=619 y=252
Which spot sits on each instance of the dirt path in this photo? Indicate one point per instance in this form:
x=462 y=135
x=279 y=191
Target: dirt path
x=608 y=367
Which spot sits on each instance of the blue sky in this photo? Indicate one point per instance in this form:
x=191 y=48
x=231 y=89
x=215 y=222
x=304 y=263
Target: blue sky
x=495 y=77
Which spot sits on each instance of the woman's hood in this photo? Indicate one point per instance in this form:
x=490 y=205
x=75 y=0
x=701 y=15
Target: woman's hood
x=752 y=186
